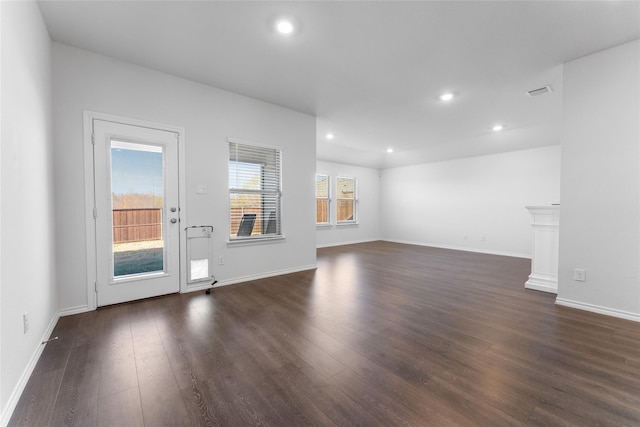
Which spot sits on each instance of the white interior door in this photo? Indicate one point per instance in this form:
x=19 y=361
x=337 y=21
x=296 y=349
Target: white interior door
x=137 y=212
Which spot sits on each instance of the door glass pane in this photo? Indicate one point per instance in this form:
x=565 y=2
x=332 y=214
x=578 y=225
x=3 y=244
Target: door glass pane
x=137 y=200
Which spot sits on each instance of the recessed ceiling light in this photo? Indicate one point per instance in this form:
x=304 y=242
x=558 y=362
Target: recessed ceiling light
x=446 y=97
x=329 y=136
x=284 y=27
x=498 y=128
x=389 y=150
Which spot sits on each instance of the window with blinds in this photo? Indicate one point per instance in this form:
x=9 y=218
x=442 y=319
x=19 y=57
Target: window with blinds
x=322 y=199
x=254 y=191
x=346 y=190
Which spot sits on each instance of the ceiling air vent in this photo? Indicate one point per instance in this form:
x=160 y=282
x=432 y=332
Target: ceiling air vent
x=540 y=91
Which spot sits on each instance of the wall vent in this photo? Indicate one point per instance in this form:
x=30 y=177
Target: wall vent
x=540 y=91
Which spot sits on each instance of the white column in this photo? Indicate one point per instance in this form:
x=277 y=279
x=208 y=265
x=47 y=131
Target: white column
x=544 y=262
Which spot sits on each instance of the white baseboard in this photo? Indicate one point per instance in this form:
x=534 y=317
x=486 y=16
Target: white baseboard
x=7 y=412
x=462 y=248
x=235 y=280
x=541 y=283
x=352 y=242
x=541 y=288
x=74 y=310
x=599 y=309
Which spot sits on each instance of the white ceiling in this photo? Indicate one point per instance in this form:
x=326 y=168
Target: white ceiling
x=370 y=71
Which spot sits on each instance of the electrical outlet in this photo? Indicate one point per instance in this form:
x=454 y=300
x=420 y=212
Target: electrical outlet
x=580 y=275
x=483 y=238
x=221 y=260
x=466 y=237
x=25 y=323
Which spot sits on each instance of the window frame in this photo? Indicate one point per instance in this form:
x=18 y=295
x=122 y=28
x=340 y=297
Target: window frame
x=328 y=199
x=276 y=193
x=354 y=199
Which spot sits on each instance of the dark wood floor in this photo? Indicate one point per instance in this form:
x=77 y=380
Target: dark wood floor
x=381 y=334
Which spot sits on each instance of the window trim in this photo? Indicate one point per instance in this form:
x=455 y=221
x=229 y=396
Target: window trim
x=261 y=238
x=255 y=240
x=355 y=201
x=328 y=199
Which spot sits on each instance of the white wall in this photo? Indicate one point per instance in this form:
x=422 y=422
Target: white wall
x=27 y=272
x=600 y=212
x=84 y=80
x=368 y=227
x=438 y=204
x=2 y=402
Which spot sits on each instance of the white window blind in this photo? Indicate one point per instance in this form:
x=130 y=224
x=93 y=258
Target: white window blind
x=347 y=195
x=323 y=213
x=254 y=191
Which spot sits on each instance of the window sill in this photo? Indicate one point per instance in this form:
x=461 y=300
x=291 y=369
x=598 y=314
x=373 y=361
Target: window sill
x=347 y=224
x=325 y=225
x=255 y=241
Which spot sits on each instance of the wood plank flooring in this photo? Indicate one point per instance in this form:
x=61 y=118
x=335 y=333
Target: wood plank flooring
x=381 y=334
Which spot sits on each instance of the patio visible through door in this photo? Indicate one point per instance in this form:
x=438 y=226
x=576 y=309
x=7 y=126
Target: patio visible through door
x=137 y=212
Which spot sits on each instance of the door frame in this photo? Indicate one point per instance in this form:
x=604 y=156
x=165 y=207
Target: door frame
x=90 y=194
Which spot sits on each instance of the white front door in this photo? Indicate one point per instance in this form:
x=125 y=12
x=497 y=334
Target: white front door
x=137 y=212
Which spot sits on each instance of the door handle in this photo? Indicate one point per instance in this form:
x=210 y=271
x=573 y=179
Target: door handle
x=173 y=220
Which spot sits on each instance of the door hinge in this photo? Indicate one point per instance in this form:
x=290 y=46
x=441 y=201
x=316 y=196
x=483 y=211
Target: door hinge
x=95 y=286
x=95 y=213
x=93 y=138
